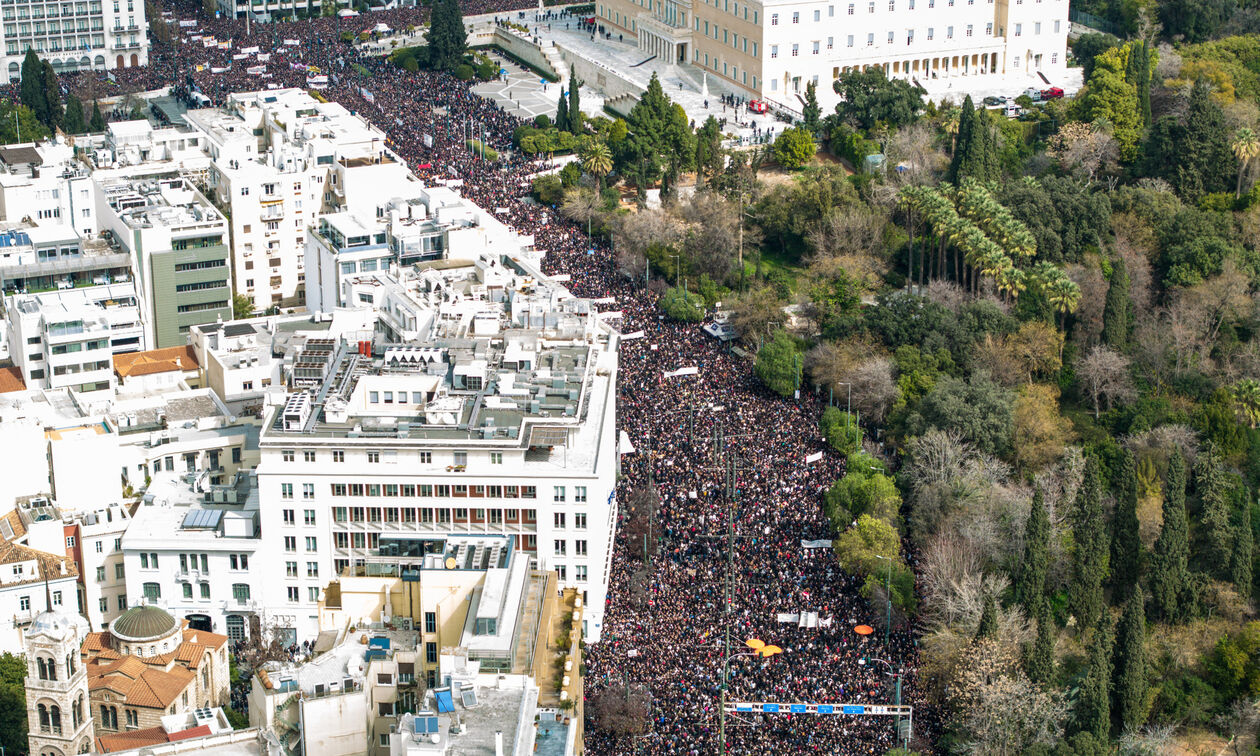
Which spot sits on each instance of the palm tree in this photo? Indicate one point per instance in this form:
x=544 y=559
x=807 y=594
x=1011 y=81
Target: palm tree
x=1246 y=148
x=597 y=161
x=1063 y=293
x=1247 y=400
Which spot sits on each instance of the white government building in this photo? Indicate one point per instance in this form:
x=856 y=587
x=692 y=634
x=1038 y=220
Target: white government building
x=771 y=50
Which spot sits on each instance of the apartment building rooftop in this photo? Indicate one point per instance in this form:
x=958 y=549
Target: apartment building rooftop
x=341 y=669
x=501 y=353
x=159 y=201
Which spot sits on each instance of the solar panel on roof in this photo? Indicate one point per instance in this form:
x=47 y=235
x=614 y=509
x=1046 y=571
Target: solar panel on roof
x=431 y=724
x=548 y=436
x=202 y=518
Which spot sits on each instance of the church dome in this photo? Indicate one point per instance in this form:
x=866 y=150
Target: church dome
x=144 y=623
x=58 y=624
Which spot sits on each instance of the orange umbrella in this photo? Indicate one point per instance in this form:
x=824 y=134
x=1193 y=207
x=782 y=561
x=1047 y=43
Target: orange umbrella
x=863 y=629
x=756 y=644
x=769 y=651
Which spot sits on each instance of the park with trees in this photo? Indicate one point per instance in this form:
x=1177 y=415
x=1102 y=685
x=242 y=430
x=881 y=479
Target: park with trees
x=1039 y=338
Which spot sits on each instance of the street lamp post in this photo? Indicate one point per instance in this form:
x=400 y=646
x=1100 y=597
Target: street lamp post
x=887 y=598
x=759 y=648
x=896 y=690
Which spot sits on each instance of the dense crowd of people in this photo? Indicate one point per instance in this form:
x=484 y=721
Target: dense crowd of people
x=666 y=619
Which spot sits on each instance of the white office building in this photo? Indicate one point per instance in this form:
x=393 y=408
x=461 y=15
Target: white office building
x=81 y=35
x=498 y=417
x=771 y=49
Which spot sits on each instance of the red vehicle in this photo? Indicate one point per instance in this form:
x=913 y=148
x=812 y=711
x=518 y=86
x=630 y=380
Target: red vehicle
x=1053 y=93
x=757 y=106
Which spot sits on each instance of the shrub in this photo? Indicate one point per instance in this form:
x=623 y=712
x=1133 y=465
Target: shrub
x=839 y=430
x=487 y=69
x=684 y=306
x=570 y=175
x=479 y=149
x=463 y=72
x=793 y=148
x=542 y=121
x=548 y=189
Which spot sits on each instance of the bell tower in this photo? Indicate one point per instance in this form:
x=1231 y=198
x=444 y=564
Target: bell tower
x=57 y=704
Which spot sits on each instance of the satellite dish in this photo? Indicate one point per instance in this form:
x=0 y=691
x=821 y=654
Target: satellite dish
x=450 y=563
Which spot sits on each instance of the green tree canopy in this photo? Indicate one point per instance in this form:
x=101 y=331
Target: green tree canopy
x=793 y=148
x=779 y=364
x=869 y=97
x=447 y=37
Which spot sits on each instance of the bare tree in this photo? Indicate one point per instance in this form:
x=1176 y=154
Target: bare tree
x=756 y=313
x=1000 y=710
x=638 y=231
x=1104 y=375
x=1088 y=147
x=874 y=388
x=642 y=531
x=712 y=233
x=621 y=709
x=582 y=204
x=848 y=231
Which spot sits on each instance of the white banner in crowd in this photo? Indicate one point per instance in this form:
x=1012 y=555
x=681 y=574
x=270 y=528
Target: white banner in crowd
x=820 y=544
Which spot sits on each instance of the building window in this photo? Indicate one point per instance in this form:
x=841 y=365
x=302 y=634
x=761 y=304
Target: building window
x=562 y=573
x=430 y=622
x=795 y=50
x=56 y=598
x=338 y=455
x=579 y=521
x=579 y=573
x=152 y=591
x=312 y=544
x=70 y=541
x=312 y=569
x=312 y=594
x=774 y=51
x=308 y=491
x=426 y=458
x=290 y=543
x=496 y=458
x=430 y=653
x=308 y=456
x=286 y=455
x=774 y=19
x=1019 y=29
x=557 y=493
x=292 y=593
x=308 y=515
x=561 y=547
x=205 y=590
x=240 y=592
x=286 y=492
x=558 y=520
x=187 y=587
x=100 y=574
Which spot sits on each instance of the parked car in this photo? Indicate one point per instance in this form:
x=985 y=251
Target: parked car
x=1034 y=94
x=993 y=102
x=1053 y=93
x=1013 y=111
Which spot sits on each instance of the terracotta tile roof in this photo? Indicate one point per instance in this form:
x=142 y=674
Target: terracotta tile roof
x=150 y=736
x=214 y=641
x=181 y=358
x=127 y=741
x=200 y=731
x=50 y=565
x=11 y=380
x=15 y=522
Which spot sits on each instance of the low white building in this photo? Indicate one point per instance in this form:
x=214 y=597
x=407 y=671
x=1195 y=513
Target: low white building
x=192 y=549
